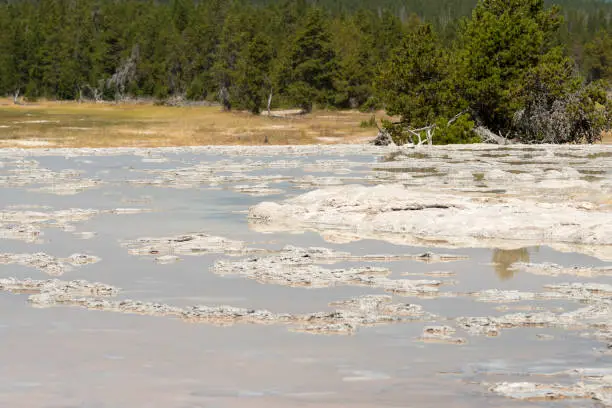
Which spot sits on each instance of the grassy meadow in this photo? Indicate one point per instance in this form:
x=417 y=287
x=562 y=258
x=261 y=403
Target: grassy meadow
x=71 y=124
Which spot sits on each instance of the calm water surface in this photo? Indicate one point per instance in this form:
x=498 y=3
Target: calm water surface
x=68 y=357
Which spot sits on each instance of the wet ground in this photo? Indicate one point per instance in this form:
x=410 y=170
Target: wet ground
x=369 y=319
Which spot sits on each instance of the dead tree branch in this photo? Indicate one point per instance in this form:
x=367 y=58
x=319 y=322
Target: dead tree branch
x=457 y=116
x=125 y=74
x=488 y=136
x=423 y=134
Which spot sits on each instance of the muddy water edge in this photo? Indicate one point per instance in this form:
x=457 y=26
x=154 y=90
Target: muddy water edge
x=319 y=276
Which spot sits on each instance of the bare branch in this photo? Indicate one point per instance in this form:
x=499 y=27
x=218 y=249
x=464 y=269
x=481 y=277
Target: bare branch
x=457 y=116
x=124 y=74
x=489 y=137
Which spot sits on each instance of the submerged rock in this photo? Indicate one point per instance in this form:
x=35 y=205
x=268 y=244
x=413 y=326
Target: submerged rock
x=440 y=334
x=551 y=269
x=29 y=173
x=598 y=316
x=53 y=287
x=298 y=267
x=502 y=296
x=533 y=391
x=579 y=291
x=363 y=311
x=28 y=225
x=167 y=259
x=601 y=392
x=228 y=315
x=47 y=263
x=347 y=317
x=257 y=190
x=69 y=188
x=187 y=244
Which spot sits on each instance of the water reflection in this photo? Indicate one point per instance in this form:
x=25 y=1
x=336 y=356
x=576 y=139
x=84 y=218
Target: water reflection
x=504 y=258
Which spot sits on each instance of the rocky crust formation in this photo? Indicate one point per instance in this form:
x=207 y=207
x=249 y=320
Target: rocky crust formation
x=46 y=263
x=26 y=225
x=168 y=249
x=411 y=216
x=482 y=196
x=298 y=267
x=347 y=317
x=551 y=269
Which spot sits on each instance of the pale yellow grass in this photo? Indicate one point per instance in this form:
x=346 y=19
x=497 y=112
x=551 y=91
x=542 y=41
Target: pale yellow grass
x=56 y=124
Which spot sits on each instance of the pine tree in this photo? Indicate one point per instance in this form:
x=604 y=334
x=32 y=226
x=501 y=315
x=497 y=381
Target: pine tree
x=202 y=38
x=236 y=33
x=323 y=52
x=598 y=58
x=311 y=67
x=16 y=55
x=354 y=45
x=389 y=33
x=253 y=80
x=414 y=82
x=181 y=10
x=500 y=43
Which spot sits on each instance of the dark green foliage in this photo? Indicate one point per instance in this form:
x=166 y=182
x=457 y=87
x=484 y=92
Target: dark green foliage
x=500 y=44
x=310 y=66
x=354 y=40
x=371 y=123
x=234 y=38
x=460 y=131
x=506 y=73
x=517 y=82
x=327 y=53
x=598 y=57
x=414 y=82
x=253 y=81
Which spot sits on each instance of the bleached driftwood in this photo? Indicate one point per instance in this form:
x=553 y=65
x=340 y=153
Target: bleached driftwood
x=488 y=136
x=384 y=137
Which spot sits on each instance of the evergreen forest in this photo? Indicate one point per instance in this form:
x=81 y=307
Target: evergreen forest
x=507 y=66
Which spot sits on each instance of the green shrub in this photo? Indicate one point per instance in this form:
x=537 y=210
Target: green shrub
x=371 y=123
x=461 y=131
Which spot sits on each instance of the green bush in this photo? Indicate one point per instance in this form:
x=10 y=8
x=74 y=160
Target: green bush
x=370 y=123
x=370 y=105
x=461 y=131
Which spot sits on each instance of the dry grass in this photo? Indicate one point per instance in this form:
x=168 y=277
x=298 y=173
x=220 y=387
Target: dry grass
x=70 y=124
x=56 y=124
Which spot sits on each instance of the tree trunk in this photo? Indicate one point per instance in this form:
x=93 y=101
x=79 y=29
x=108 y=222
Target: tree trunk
x=224 y=98
x=97 y=94
x=269 y=103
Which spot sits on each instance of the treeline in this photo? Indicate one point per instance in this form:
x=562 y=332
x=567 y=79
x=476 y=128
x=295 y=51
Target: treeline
x=506 y=77
x=242 y=53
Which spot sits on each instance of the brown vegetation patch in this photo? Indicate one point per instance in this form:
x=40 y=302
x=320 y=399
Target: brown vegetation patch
x=70 y=124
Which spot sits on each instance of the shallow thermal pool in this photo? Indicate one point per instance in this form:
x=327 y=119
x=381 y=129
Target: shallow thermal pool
x=355 y=303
